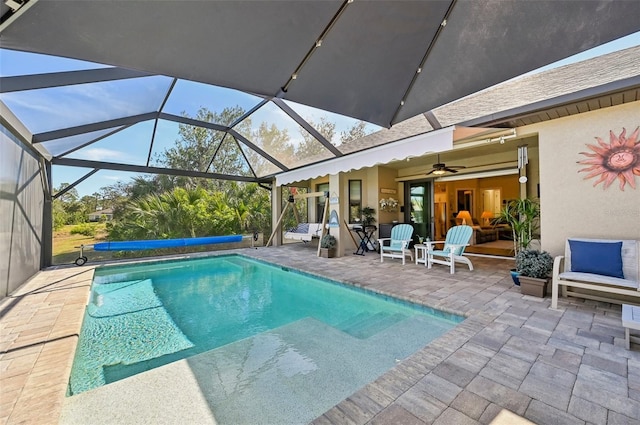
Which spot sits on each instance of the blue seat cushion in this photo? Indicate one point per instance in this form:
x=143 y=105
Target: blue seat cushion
x=396 y=245
x=603 y=258
x=456 y=250
x=302 y=228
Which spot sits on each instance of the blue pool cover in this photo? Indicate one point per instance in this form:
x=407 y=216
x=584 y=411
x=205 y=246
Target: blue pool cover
x=164 y=243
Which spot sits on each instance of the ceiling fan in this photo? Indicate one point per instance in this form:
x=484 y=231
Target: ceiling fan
x=441 y=168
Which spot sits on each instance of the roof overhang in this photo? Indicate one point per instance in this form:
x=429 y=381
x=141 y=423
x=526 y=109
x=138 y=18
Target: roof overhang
x=590 y=99
x=411 y=147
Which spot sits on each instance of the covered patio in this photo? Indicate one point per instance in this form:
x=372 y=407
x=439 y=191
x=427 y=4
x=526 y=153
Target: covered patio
x=512 y=352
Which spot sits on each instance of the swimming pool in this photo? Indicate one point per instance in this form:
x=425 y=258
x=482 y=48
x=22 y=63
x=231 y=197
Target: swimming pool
x=269 y=341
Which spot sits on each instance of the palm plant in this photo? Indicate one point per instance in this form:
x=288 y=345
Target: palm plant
x=523 y=217
x=368 y=216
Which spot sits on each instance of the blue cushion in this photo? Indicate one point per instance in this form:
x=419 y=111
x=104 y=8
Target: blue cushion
x=456 y=251
x=603 y=258
x=300 y=228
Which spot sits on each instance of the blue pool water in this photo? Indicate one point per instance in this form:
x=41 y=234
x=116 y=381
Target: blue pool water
x=251 y=326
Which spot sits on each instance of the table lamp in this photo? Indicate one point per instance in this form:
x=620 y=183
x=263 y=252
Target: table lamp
x=465 y=216
x=486 y=216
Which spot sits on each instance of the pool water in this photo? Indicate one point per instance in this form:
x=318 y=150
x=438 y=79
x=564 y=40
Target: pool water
x=256 y=331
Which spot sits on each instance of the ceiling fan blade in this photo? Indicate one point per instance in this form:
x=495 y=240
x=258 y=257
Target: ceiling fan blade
x=430 y=172
x=451 y=170
x=458 y=167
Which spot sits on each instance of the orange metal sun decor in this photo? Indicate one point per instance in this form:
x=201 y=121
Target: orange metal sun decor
x=619 y=159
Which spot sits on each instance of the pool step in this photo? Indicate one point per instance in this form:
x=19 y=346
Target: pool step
x=364 y=325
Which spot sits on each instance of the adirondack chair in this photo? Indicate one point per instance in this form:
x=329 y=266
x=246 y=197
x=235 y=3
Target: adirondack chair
x=398 y=247
x=457 y=239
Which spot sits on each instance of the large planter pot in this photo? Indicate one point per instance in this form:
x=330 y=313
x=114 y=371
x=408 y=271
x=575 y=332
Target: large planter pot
x=327 y=252
x=515 y=275
x=533 y=286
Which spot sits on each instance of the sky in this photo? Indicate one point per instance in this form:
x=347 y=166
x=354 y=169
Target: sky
x=61 y=107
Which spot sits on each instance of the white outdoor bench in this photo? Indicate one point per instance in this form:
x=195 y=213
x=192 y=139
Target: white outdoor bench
x=566 y=277
x=630 y=320
x=305 y=232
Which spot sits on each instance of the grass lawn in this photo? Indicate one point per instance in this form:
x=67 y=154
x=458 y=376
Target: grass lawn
x=65 y=244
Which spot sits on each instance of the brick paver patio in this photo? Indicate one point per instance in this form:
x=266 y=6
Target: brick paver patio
x=565 y=366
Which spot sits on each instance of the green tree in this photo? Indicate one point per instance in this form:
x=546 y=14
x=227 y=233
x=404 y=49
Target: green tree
x=75 y=210
x=311 y=147
x=251 y=207
x=166 y=206
x=275 y=142
x=59 y=214
x=356 y=132
x=141 y=186
x=178 y=213
x=197 y=146
x=89 y=203
x=70 y=196
x=115 y=197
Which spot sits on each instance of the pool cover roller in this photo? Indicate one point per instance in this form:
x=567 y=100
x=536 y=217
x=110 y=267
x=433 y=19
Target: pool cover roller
x=157 y=244
x=164 y=243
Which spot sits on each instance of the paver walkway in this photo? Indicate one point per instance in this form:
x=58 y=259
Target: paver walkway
x=565 y=366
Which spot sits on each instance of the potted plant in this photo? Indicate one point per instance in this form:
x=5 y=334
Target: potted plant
x=522 y=216
x=534 y=267
x=328 y=246
x=368 y=216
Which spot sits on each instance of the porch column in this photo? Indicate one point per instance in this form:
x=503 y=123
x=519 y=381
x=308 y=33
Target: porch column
x=276 y=210
x=46 y=252
x=337 y=190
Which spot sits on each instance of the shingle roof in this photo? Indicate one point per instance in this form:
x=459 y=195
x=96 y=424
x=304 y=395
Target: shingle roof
x=514 y=93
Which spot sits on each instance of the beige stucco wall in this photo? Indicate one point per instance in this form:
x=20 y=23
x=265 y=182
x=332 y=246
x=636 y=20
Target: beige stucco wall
x=387 y=180
x=339 y=187
x=571 y=205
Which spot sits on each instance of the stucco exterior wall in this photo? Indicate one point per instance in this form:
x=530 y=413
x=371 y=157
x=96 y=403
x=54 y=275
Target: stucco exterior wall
x=387 y=180
x=571 y=205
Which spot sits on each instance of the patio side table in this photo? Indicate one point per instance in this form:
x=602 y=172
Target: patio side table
x=422 y=249
x=630 y=320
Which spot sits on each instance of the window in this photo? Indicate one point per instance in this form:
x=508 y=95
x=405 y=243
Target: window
x=323 y=187
x=355 y=200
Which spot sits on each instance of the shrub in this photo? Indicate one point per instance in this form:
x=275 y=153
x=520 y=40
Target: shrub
x=533 y=263
x=328 y=241
x=85 y=229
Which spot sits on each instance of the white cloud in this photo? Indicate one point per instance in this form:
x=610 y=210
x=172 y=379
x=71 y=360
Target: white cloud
x=113 y=178
x=101 y=154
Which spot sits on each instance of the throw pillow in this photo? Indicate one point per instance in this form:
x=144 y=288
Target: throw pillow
x=603 y=258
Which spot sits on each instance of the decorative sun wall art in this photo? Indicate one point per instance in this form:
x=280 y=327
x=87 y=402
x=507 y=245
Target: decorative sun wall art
x=620 y=159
